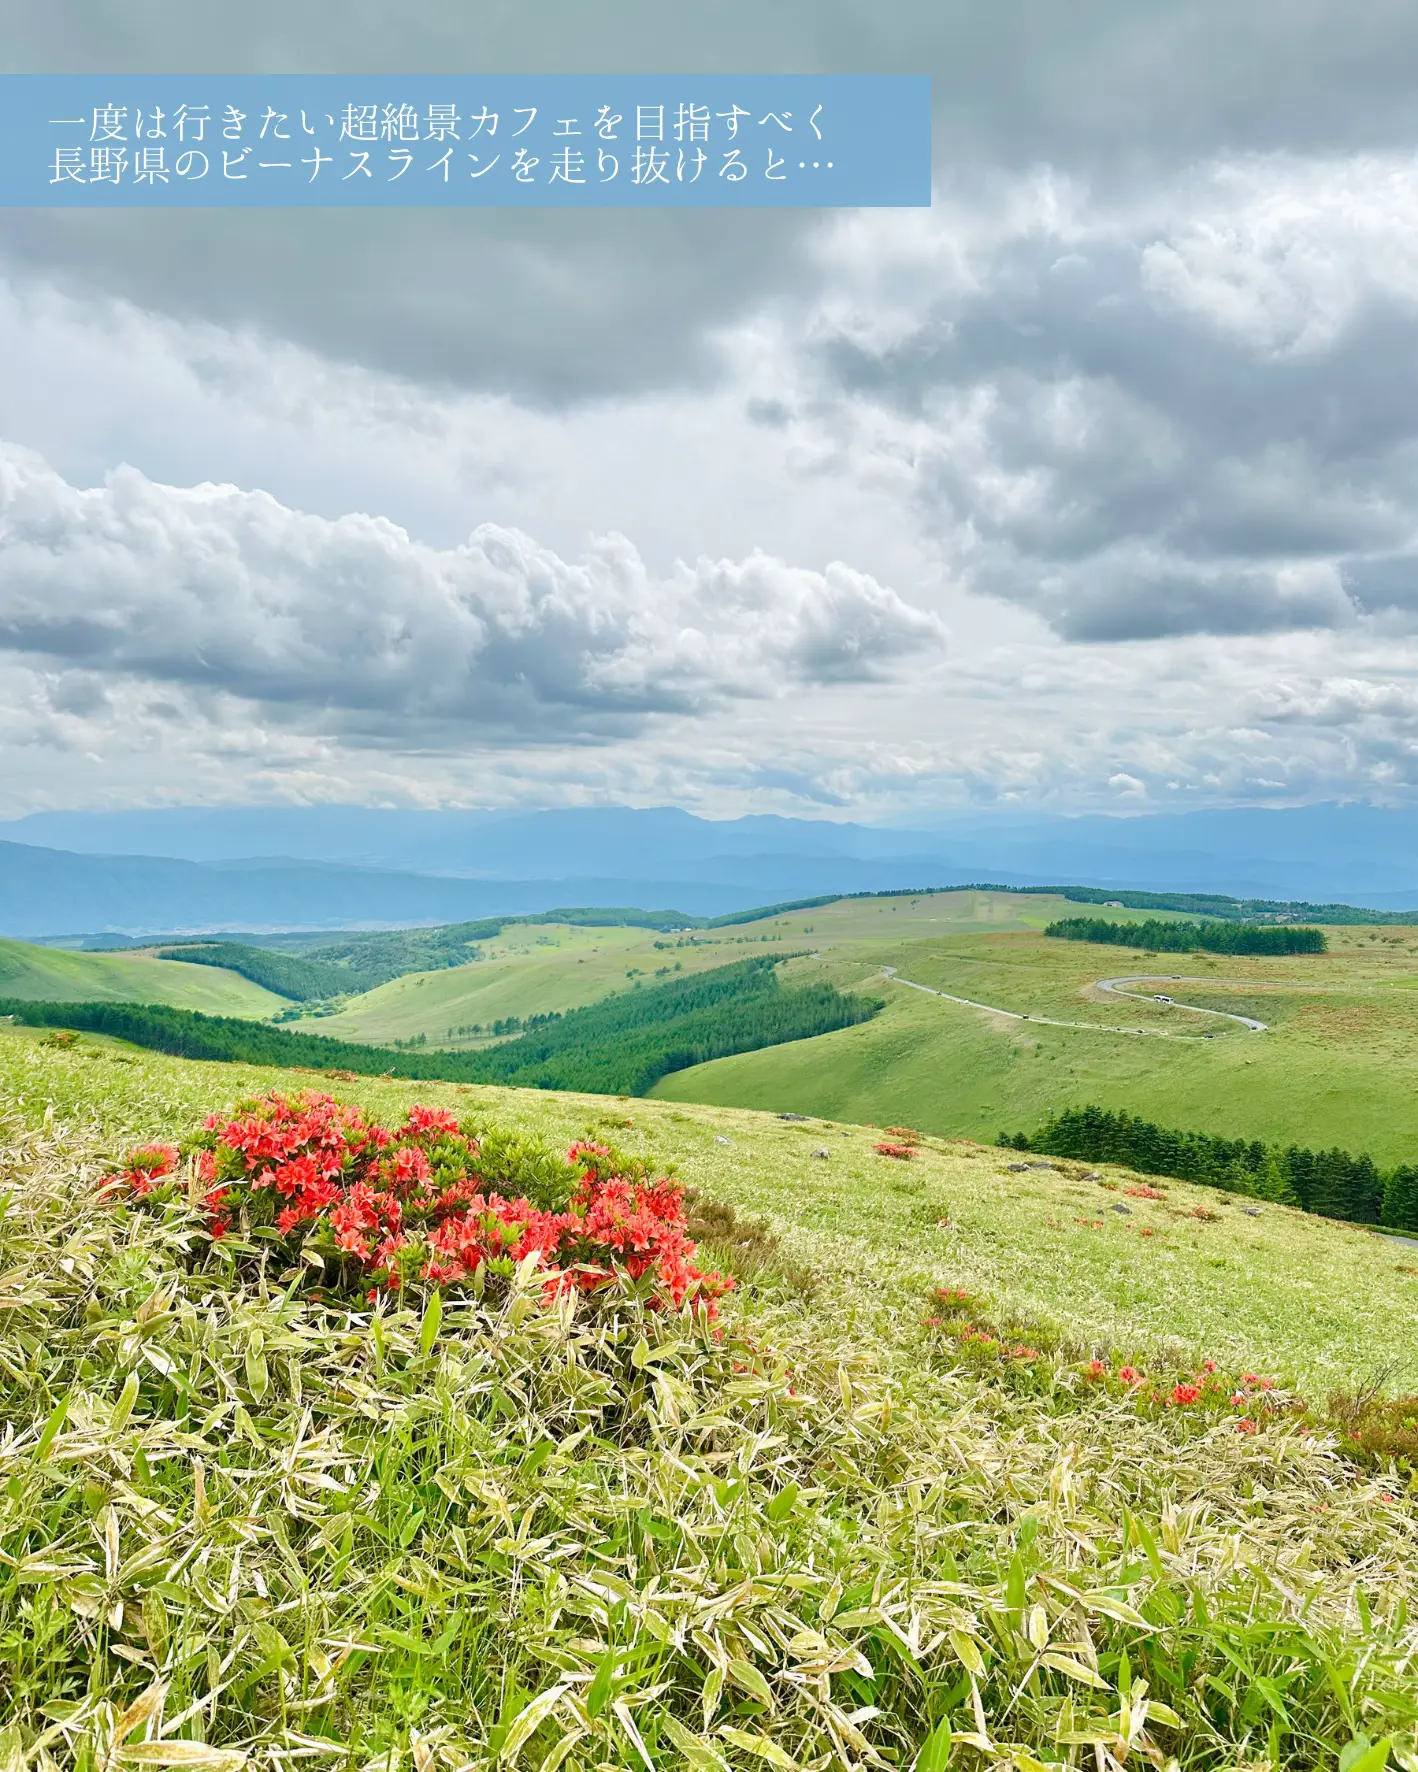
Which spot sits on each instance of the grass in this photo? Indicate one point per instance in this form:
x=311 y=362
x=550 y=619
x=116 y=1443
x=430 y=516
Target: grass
x=1339 y=1065
x=27 y=971
x=237 y=1521
x=528 y=971
x=532 y=970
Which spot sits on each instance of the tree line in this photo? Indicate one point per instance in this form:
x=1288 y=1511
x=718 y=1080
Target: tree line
x=622 y=1045
x=292 y=976
x=1333 y=1183
x=1185 y=938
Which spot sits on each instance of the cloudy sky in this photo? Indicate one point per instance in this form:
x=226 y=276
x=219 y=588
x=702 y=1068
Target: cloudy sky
x=1093 y=486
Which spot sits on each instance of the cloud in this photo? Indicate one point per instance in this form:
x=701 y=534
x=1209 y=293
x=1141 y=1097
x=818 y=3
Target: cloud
x=563 y=308
x=1131 y=408
x=352 y=622
x=1189 y=410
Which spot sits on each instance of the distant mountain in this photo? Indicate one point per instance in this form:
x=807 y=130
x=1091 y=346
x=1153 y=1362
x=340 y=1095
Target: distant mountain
x=1359 y=854
x=46 y=892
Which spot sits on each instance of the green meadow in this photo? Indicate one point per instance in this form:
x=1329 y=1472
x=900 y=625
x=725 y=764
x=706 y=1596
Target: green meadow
x=891 y=1517
x=1338 y=1064
x=29 y=971
x=536 y=969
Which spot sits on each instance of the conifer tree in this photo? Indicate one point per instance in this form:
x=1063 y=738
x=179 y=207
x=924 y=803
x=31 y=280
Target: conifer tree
x=1237 y=1177
x=1401 y=1199
x=1273 y=1182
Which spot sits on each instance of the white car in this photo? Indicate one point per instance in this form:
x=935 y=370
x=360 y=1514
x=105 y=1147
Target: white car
x=1161 y=999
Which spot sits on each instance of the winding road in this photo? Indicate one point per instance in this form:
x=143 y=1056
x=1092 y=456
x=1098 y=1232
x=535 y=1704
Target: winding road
x=1112 y=985
x=1115 y=986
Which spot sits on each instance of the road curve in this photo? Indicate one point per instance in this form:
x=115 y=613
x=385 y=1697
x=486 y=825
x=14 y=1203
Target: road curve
x=1114 y=986
x=1090 y=1027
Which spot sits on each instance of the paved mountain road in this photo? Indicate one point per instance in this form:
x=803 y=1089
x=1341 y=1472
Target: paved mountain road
x=1112 y=985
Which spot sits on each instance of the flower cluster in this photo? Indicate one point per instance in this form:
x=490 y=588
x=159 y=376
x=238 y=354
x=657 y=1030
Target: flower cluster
x=904 y=1152
x=148 y=1165
x=966 y=1324
x=389 y=1207
x=1251 y=1395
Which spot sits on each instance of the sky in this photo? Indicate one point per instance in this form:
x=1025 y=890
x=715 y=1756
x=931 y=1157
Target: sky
x=1092 y=487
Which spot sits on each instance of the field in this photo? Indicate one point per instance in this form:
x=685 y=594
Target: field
x=1228 y=1288
x=274 y=1526
x=533 y=970
x=27 y=971
x=1338 y=1064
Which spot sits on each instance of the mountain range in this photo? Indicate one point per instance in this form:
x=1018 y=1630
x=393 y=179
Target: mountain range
x=184 y=869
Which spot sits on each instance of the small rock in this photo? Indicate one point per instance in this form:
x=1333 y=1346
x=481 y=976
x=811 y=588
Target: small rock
x=800 y=1118
x=1038 y=1165
x=1119 y=1207
x=1252 y=1211
x=1016 y=1168
x=822 y=1151
x=720 y=1139
x=1093 y=1175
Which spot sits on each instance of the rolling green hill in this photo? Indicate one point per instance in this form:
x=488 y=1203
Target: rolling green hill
x=537 y=970
x=1338 y=1064
x=57 y=973
x=877 y=1231
x=624 y=1042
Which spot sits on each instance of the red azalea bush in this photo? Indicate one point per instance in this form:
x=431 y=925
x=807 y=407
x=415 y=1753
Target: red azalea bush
x=390 y=1207
x=903 y=1152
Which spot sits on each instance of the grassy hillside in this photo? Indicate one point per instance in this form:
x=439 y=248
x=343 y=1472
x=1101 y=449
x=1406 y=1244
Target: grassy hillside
x=27 y=971
x=1323 y=1302
x=526 y=972
x=1339 y=1064
x=529 y=970
x=262 y=1522
x=624 y=1042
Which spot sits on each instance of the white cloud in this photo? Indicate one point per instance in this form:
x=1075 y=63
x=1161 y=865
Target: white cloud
x=1283 y=253
x=1150 y=454
x=352 y=621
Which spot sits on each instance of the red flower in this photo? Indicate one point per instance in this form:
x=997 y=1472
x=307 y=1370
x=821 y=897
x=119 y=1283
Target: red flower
x=1097 y=1369
x=1129 y=1375
x=1186 y=1394
x=412 y=1201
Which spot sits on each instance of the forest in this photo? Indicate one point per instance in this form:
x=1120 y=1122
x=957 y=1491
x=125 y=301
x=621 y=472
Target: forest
x=293 y=976
x=1185 y=938
x=622 y=1045
x=1333 y=1183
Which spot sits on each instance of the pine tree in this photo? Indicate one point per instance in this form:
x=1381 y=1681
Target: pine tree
x=1329 y=1186
x=1301 y=1165
x=1237 y=1178
x=1272 y=1181
x=1366 y=1191
x=1401 y=1200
